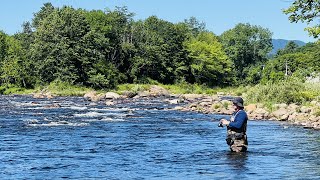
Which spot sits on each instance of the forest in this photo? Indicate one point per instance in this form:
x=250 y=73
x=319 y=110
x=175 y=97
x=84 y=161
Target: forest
x=102 y=49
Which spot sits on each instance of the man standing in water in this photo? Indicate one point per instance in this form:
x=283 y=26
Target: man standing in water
x=237 y=127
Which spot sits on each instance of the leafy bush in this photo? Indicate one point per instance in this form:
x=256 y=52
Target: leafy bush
x=290 y=91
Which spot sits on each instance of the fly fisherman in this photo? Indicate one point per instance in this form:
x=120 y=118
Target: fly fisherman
x=237 y=127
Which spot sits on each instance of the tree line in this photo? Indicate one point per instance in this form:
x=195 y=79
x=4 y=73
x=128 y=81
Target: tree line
x=102 y=49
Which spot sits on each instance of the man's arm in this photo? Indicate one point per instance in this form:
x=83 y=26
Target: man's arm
x=239 y=120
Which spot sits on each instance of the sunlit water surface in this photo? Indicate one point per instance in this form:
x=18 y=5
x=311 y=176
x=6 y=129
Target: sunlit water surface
x=142 y=139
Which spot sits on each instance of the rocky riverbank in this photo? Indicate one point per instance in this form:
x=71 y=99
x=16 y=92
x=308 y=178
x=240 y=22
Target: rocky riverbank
x=306 y=116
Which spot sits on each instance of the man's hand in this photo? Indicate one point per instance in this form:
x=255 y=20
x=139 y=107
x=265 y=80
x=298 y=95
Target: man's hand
x=224 y=122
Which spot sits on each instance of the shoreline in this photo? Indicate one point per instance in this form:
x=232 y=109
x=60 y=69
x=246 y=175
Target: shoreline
x=291 y=114
x=305 y=116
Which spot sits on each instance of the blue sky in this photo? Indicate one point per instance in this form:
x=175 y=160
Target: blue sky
x=219 y=15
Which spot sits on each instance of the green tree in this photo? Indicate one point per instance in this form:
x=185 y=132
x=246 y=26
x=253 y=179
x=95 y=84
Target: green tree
x=305 y=11
x=246 y=45
x=254 y=73
x=26 y=39
x=210 y=65
x=288 y=65
x=52 y=50
x=45 y=11
x=150 y=57
x=113 y=31
x=293 y=61
x=60 y=47
x=159 y=51
x=311 y=49
x=290 y=48
x=195 y=26
x=12 y=68
x=3 y=46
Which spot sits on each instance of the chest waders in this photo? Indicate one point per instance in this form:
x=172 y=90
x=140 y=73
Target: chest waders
x=237 y=138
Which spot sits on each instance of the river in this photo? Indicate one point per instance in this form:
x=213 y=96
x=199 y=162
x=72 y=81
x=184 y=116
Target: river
x=70 y=138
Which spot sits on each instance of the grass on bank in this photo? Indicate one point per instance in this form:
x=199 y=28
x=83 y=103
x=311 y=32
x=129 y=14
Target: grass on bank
x=181 y=88
x=185 y=88
x=12 y=89
x=57 y=88
x=131 y=87
x=290 y=91
x=268 y=94
x=65 y=89
x=284 y=92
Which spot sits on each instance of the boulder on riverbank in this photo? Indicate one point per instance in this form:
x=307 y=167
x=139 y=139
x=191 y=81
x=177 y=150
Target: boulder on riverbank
x=306 y=116
x=94 y=96
x=111 y=95
x=154 y=91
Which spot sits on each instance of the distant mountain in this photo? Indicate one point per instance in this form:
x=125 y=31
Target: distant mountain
x=281 y=43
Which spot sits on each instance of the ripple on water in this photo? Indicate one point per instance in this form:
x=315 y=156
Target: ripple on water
x=90 y=114
x=144 y=141
x=58 y=123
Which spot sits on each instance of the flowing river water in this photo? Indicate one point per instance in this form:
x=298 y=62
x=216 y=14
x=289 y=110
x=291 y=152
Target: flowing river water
x=70 y=138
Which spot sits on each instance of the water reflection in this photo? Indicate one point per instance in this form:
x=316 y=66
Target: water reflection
x=237 y=160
